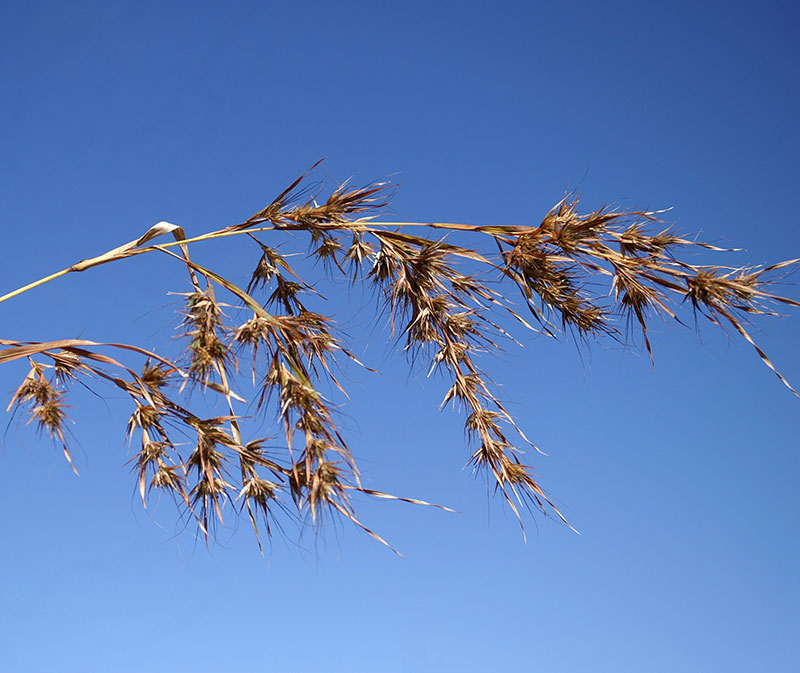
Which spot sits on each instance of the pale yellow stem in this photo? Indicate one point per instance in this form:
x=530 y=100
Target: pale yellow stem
x=111 y=257
x=36 y=283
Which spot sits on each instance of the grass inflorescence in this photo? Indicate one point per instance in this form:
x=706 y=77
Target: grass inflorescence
x=599 y=274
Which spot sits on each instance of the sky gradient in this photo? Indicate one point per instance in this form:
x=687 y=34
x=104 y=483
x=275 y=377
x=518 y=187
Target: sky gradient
x=681 y=481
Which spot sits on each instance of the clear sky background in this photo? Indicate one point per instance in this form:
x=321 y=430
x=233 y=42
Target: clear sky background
x=682 y=482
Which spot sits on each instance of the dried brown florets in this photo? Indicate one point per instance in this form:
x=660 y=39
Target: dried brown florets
x=577 y=272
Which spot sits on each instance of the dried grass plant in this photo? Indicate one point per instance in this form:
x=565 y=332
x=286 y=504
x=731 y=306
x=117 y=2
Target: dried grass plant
x=596 y=274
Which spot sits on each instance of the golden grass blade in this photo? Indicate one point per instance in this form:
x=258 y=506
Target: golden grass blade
x=124 y=250
x=26 y=349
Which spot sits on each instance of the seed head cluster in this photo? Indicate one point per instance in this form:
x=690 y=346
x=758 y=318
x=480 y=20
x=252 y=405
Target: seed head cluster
x=605 y=273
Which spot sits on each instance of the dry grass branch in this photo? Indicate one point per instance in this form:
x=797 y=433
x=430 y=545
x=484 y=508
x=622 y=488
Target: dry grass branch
x=604 y=273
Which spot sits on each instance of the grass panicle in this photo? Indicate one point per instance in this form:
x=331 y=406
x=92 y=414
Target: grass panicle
x=605 y=273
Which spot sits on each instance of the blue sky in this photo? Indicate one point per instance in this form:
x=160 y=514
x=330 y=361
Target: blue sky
x=682 y=481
